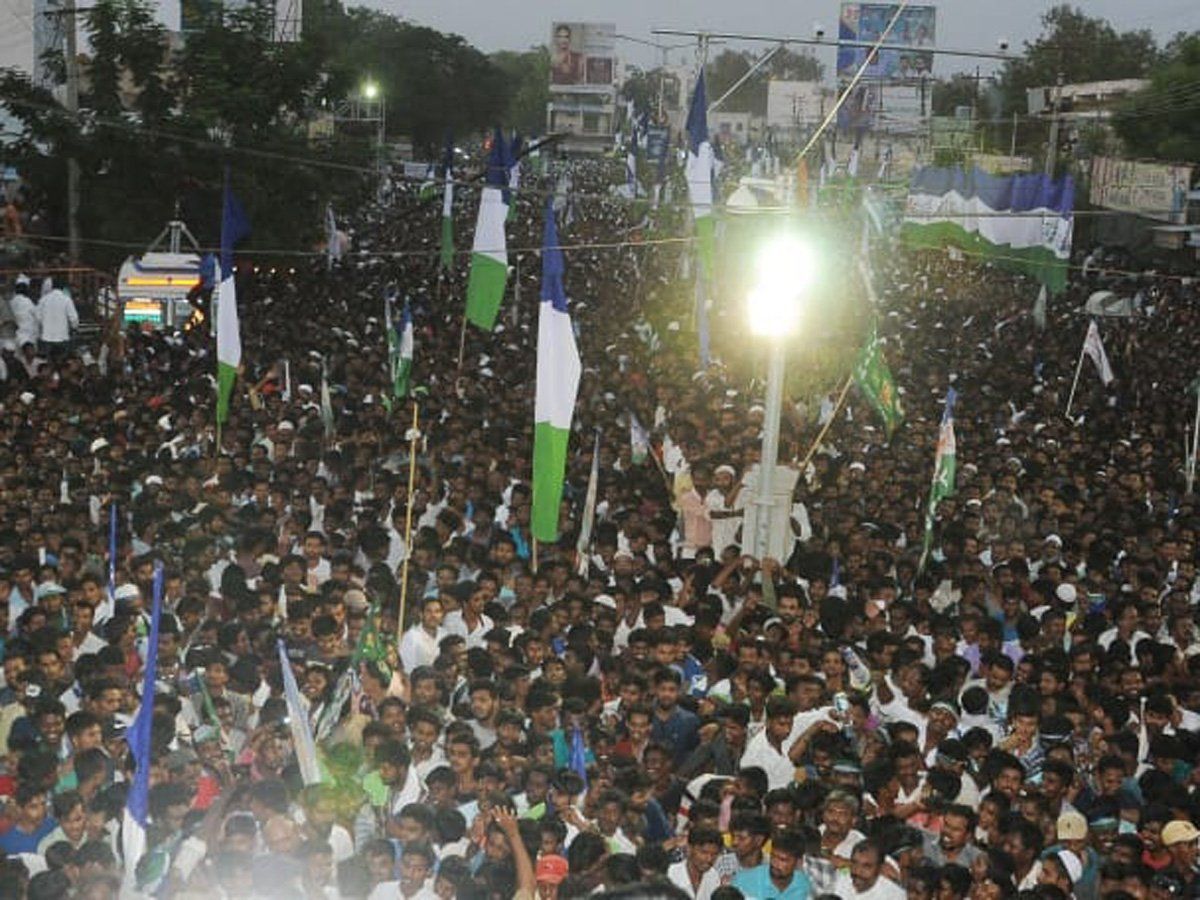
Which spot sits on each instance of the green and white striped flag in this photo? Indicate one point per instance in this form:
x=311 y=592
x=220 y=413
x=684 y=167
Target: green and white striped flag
x=447 y=248
x=489 y=255
x=944 y=467
x=400 y=348
x=558 y=372
x=234 y=227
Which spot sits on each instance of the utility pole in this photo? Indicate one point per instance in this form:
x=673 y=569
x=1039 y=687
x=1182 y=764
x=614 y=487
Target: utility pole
x=1013 y=150
x=72 y=103
x=1052 y=149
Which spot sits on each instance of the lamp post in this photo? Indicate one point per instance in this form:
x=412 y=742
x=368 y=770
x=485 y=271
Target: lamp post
x=372 y=102
x=785 y=269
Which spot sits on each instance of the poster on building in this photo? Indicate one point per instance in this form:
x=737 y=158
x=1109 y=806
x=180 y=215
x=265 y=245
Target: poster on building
x=1148 y=189
x=657 y=138
x=582 y=56
x=909 y=42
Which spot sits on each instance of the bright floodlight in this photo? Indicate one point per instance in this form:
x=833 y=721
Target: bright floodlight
x=785 y=271
x=370 y=90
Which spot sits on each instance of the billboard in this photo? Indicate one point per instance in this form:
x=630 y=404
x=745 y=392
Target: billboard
x=914 y=34
x=582 y=56
x=1152 y=190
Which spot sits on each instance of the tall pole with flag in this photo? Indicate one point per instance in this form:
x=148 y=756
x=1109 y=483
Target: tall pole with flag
x=558 y=372
x=583 y=547
x=944 y=466
x=137 y=801
x=302 y=738
x=333 y=249
x=700 y=195
x=1093 y=347
x=447 y=245
x=489 y=254
x=234 y=227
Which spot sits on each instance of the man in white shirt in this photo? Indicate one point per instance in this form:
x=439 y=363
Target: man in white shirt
x=695 y=875
x=865 y=880
x=59 y=318
x=25 y=313
x=469 y=622
x=419 y=646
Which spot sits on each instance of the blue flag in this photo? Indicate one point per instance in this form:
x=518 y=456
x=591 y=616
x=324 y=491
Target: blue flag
x=579 y=756
x=137 y=801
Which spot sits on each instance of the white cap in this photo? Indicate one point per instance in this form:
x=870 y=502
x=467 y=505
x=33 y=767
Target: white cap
x=1066 y=593
x=98 y=444
x=126 y=592
x=1070 y=862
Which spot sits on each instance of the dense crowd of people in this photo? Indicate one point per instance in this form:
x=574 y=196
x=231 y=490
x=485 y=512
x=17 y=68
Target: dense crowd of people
x=656 y=713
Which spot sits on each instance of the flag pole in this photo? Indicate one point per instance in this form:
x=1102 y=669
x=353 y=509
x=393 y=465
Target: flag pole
x=828 y=424
x=1075 y=383
x=414 y=436
x=1191 y=473
x=462 y=340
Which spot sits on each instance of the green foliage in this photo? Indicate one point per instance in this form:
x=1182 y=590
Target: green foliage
x=1162 y=121
x=528 y=81
x=157 y=126
x=1082 y=48
x=959 y=90
x=723 y=72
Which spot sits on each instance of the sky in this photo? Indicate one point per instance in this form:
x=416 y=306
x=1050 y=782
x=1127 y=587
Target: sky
x=962 y=24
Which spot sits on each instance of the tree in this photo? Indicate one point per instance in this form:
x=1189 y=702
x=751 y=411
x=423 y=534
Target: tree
x=959 y=90
x=1163 y=121
x=724 y=71
x=1081 y=48
x=527 y=77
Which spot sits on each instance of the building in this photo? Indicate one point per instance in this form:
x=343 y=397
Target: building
x=1091 y=101
x=31 y=28
x=584 y=70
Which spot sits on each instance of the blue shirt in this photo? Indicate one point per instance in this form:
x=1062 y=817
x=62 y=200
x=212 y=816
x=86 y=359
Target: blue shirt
x=15 y=841
x=756 y=883
x=681 y=730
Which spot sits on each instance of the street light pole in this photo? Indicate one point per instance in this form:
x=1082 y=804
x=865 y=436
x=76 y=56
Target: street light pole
x=770 y=447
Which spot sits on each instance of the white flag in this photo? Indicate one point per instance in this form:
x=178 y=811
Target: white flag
x=1039 y=311
x=1094 y=347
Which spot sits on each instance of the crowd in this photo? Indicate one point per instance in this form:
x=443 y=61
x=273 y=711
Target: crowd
x=657 y=715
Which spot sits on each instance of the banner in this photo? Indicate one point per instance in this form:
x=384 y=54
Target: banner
x=1022 y=222
x=1148 y=189
x=582 y=57
x=866 y=22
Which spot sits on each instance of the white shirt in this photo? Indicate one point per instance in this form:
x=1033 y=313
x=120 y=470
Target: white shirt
x=781 y=771
x=26 y=314
x=709 y=882
x=882 y=889
x=390 y=890
x=419 y=648
x=56 y=311
x=454 y=624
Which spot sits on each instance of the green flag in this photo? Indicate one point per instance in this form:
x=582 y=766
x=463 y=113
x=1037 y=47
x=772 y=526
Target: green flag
x=944 y=465
x=875 y=380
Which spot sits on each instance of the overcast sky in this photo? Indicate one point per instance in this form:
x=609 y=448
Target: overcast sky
x=975 y=24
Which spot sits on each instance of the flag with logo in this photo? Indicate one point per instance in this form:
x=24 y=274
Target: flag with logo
x=944 y=466
x=874 y=379
x=489 y=254
x=136 y=817
x=1094 y=348
x=558 y=372
x=302 y=739
x=400 y=346
x=234 y=227
x=447 y=248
